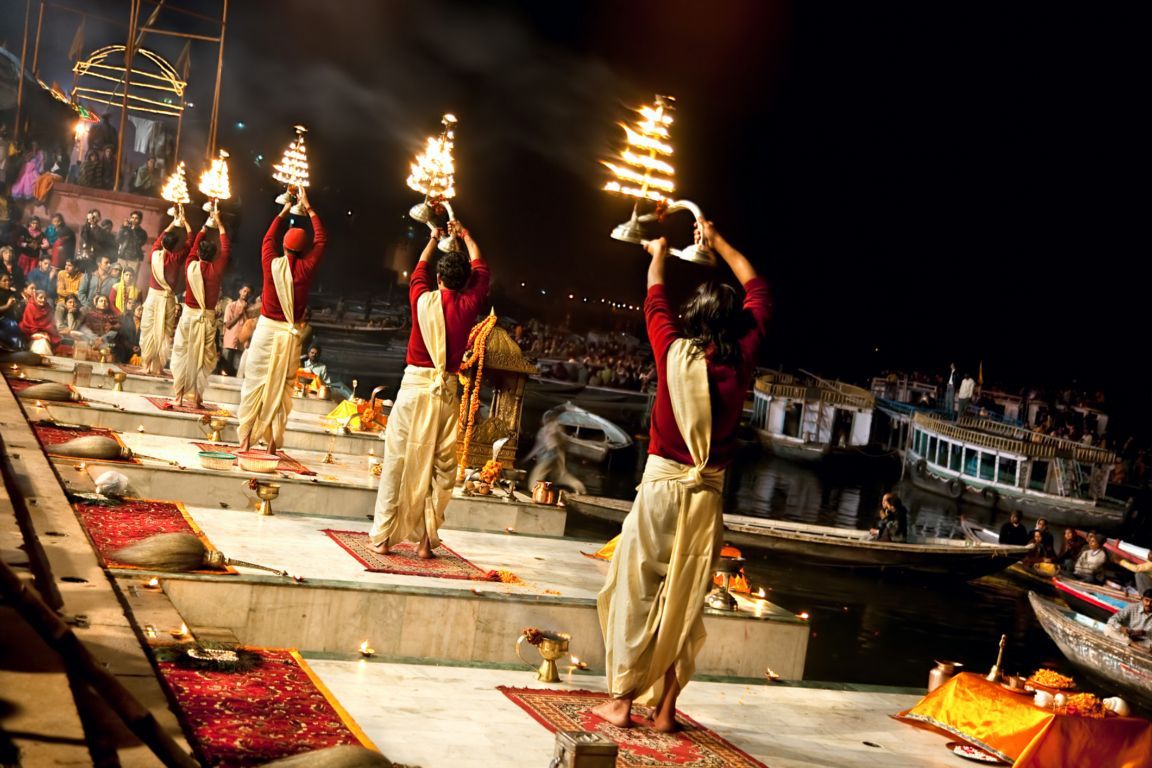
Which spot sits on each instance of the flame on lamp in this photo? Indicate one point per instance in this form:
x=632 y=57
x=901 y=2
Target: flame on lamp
x=365 y=650
x=176 y=187
x=292 y=170
x=434 y=170
x=214 y=181
x=642 y=169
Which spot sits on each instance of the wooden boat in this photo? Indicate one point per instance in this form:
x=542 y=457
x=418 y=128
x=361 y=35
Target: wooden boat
x=1083 y=641
x=1007 y=467
x=847 y=547
x=1092 y=600
x=809 y=418
x=590 y=436
x=1129 y=552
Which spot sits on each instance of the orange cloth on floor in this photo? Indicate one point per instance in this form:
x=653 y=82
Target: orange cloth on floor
x=1012 y=727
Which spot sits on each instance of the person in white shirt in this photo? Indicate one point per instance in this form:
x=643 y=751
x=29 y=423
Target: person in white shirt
x=1134 y=622
x=1089 y=566
x=964 y=396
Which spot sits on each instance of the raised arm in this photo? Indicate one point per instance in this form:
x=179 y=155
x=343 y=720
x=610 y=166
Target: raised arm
x=741 y=267
x=270 y=248
x=434 y=236
x=658 y=249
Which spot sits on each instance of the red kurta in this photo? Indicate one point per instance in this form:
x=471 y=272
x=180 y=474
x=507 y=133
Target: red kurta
x=460 y=309
x=39 y=319
x=303 y=270
x=172 y=262
x=726 y=384
x=212 y=271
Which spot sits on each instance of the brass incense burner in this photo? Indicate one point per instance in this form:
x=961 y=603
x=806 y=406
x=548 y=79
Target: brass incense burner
x=266 y=491
x=551 y=645
x=117 y=380
x=720 y=598
x=213 y=426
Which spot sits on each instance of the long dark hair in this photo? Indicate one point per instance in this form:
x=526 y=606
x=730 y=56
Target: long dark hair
x=714 y=319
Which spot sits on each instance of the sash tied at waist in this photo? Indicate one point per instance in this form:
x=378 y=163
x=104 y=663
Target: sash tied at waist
x=439 y=383
x=659 y=468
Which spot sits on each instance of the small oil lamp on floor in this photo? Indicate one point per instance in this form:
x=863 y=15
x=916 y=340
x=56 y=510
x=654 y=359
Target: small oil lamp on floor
x=365 y=651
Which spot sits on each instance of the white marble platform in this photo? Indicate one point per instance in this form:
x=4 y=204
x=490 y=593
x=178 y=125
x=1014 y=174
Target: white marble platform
x=478 y=621
x=344 y=488
x=221 y=389
x=440 y=716
x=131 y=412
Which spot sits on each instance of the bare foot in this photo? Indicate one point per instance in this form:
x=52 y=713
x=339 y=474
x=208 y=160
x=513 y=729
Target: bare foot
x=665 y=722
x=198 y=405
x=380 y=549
x=617 y=712
x=424 y=551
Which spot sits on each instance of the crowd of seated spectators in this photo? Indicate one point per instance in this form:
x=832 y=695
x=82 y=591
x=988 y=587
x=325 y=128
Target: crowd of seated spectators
x=595 y=359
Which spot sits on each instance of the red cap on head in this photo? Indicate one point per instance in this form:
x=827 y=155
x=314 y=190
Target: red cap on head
x=296 y=239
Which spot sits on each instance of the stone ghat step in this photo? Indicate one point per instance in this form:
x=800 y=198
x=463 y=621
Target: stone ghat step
x=131 y=412
x=340 y=604
x=345 y=488
x=224 y=390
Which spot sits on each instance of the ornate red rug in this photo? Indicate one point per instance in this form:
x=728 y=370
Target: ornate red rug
x=207 y=409
x=287 y=463
x=278 y=709
x=50 y=435
x=403 y=560
x=641 y=746
x=113 y=527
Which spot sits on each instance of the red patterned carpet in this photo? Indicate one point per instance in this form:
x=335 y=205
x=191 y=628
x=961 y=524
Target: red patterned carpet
x=49 y=436
x=287 y=463
x=402 y=559
x=114 y=527
x=278 y=709
x=208 y=409
x=640 y=746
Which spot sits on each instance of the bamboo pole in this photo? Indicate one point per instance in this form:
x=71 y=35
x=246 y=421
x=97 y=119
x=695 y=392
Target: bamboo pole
x=20 y=74
x=36 y=49
x=216 y=94
x=130 y=51
x=78 y=661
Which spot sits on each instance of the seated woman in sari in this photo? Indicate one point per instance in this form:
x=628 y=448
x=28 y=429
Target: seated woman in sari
x=33 y=166
x=39 y=325
x=10 y=336
x=102 y=321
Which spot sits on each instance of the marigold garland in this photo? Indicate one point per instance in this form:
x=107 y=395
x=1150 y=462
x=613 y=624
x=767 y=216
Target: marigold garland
x=470 y=399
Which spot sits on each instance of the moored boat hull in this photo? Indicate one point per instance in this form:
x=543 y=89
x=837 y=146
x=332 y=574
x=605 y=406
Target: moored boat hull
x=1095 y=602
x=1083 y=642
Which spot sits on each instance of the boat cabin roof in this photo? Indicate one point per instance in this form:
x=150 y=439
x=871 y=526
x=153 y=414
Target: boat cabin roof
x=1010 y=439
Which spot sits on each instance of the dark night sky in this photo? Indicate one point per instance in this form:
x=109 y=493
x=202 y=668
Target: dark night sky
x=930 y=181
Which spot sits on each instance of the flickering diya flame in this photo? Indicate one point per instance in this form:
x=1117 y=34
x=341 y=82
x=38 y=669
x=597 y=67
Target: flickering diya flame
x=433 y=172
x=176 y=187
x=641 y=169
x=214 y=181
x=153 y=583
x=292 y=170
x=179 y=633
x=366 y=651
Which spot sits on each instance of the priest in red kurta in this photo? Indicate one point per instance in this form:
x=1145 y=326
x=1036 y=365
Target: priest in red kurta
x=158 y=322
x=419 y=461
x=289 y=265
x=651 y=606
x=194 y=352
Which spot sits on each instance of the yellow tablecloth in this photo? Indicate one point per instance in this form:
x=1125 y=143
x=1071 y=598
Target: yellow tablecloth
x=1011 y=727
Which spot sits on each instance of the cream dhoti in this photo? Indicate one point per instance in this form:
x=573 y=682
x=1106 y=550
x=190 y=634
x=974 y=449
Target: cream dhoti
x=194 y=352
x=419 y=465
x=651 y=606
x=272 y=359
x=158 y=321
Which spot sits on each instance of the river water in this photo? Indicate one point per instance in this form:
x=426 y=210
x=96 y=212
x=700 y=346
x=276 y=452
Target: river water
x=867 y=628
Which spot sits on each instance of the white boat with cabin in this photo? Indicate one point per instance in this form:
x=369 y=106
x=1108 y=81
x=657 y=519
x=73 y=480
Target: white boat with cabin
x=809 y=418
x=992 y=464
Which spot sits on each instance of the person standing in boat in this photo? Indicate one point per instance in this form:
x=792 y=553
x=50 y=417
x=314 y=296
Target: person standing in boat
x=950 y=391
x=288 y=265
x=419 y=464
x=964 y=396
x=551 y=454
x=651 y=606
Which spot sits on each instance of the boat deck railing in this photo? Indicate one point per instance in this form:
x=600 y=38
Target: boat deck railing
x=1009 y=439
x=850 y=397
